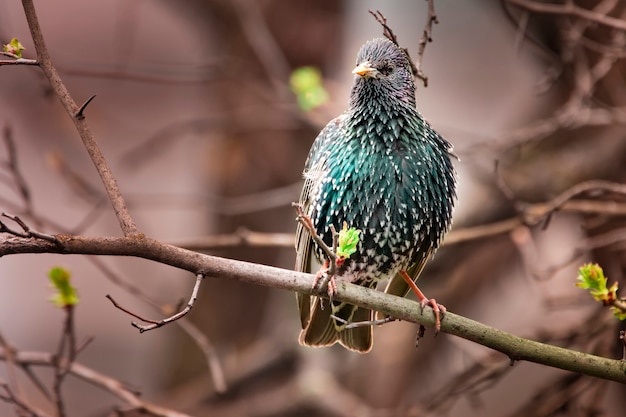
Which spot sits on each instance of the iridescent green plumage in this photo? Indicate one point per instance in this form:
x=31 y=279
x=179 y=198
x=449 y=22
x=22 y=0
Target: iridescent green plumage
x=382 y=169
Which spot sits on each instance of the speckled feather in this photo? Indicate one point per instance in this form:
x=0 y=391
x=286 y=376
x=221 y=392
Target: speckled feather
x=381 y=168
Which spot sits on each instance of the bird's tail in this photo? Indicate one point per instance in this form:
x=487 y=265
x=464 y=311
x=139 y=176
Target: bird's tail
x=323 y=330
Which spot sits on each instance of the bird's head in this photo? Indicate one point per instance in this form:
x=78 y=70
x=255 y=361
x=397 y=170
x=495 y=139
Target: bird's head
x=383 y=72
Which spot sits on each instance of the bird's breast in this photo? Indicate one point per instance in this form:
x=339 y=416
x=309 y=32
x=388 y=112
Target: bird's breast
x=378 y=187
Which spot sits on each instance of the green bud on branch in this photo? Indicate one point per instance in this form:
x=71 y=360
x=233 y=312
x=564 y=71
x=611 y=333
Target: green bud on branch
x=14 y=47
x=66 y=294
x=591 y=277
x=348 y=241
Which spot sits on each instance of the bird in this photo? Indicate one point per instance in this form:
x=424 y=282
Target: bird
x=380 y=168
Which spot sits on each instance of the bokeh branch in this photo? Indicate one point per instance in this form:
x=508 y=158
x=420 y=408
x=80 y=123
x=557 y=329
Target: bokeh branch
x=28 y=359
x=569 y=8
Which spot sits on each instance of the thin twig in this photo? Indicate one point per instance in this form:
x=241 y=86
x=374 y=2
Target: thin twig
x=328 y=280
x=23 y=408
x=202 y=341
x=158 y=323
x=210 y=354
x=37 y=382
x=16 y=172
x=65 y=356
x=327 y=274
x=9 y=351
x=264 y=45
x=127 y=311
x=425 y=39
x=240 y=237
x=416 y=67
x=26 y=230
x=388 y=33
x=306 y=222
x=534 y=214
x=19 y=61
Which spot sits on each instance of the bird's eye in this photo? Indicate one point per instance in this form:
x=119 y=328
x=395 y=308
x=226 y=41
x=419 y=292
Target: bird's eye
x=386 y=69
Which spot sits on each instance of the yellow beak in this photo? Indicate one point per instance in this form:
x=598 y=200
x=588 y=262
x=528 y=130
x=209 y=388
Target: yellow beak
x=365 y=70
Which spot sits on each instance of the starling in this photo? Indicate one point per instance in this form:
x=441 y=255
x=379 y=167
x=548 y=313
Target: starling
x=381 y=168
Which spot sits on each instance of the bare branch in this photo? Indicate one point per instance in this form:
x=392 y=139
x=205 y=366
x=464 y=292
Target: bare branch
x=329 y=269
x=533 y=214
x=110 y=183
x=66 y=351
x=115 y=387
x=17 y=61
x=267 y=50
x=570 y=9
x=26 y=230
x=9 y=351
x=22 y=407
x=306 y=222
x=515 y=347
x=209 y=352
x=241 y=237
x=389 y=34
x=158 y=323
x=426 y=37
x=84 y=189
x=416 y=67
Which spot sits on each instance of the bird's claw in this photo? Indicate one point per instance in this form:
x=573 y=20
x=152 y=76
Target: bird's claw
x=331 y=287
x=325 y=282
x=438 y=309
x=320 y=276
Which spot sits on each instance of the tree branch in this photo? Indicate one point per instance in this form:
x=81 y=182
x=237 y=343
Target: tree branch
x=424 y=39
x=154 y=324
x=569 y=9
x=45 y=63
x=516 y=348
x=26 y=359
x=18 y=61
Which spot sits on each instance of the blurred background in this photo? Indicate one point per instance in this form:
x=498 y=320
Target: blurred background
x=196 y=118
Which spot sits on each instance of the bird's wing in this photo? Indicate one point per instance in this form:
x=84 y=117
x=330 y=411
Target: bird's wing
x=398 y=286
x=304 y=256
x=314 y=168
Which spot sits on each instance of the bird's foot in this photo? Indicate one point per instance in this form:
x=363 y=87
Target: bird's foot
x=320 y=276
x=332 y=287
x=438 y=309
x=325 y=282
